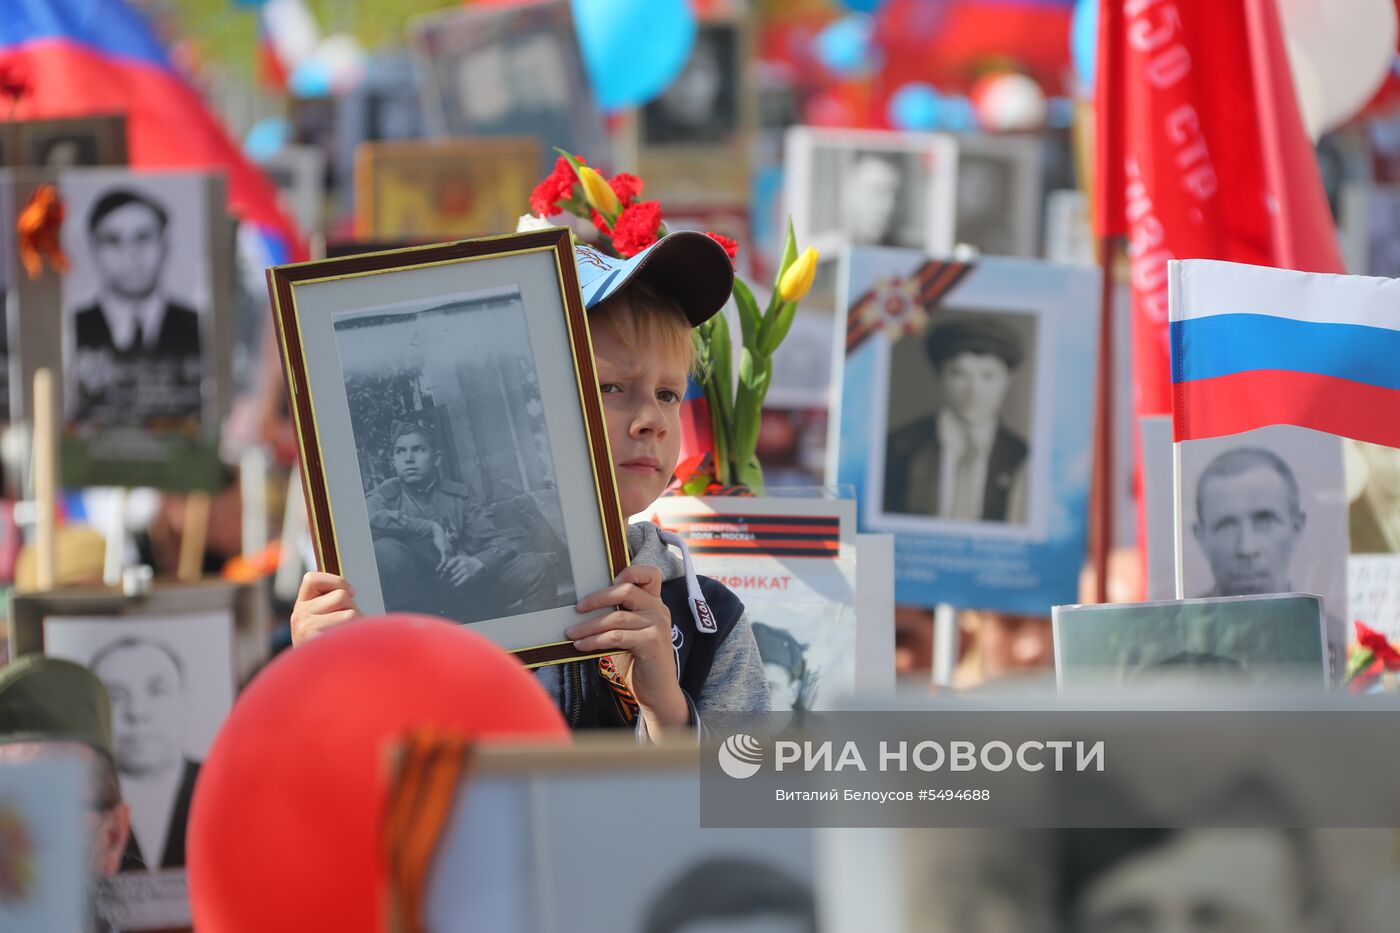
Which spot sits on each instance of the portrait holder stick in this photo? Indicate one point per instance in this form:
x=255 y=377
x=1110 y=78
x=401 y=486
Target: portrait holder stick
x=1101 y=510
x=194 y=538
x=252 y=487
x=45 y=476
x=295 y=532
x=1177 y=523
x=113 y=558
x=945 y=644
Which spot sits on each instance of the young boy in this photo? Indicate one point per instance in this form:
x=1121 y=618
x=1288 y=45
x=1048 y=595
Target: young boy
x=689 y=647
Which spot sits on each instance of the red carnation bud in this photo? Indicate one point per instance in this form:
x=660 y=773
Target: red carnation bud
x=731 y=247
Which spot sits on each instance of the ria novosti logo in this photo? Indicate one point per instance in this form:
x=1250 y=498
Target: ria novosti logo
x=740 y=756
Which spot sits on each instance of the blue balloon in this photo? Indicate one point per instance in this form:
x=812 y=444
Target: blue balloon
x=844 y=46
x=633 y=49
x=266 y=138
x=1084 y=40
x=957 y=114
x=862 y=6
x=310 y=79
x=915 y=106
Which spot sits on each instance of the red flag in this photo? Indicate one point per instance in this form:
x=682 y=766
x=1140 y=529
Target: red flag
x=1201 y=155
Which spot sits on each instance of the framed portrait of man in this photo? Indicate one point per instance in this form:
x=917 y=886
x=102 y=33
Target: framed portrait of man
x=871 y=188
x=509 y=71
x=692 y=143
x=451 y=433
x=998 y=194
x=432 y=190
x=516 y=848
x=960 y=421
x=1233 y=643
x=1262 y=512
x=144 y=335
x=172 y=660
x=64 y=143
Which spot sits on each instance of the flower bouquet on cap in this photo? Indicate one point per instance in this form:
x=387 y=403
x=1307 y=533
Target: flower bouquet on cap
x=626 y=225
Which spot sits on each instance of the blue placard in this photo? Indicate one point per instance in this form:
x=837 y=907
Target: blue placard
x=966 y=422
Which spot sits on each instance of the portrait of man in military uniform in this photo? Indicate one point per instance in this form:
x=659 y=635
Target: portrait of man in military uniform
x=962 y=461
x=138 y=352
x=438 y=550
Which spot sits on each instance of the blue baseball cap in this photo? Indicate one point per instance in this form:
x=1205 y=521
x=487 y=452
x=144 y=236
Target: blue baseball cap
x=690 y=267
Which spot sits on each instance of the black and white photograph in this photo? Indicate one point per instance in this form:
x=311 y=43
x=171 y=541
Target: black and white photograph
x=701 y=106
x=170 y=680
x=1223 y=643
x=1373 y=481
x=1069 y=231
x=1266 y=877
x=872 y=188
x=1262 y=512
x=513 y=71
x=451 y=378
x=960 y=403
x=136 y=300
x=998 y=195
x=65 y=143
x=521 y=851
x=454 y=456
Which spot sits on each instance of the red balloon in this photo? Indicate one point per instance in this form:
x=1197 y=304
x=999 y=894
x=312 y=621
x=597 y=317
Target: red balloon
x=285 y=826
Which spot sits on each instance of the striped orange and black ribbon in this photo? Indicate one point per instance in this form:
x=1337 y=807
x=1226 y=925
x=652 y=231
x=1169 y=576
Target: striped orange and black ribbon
x=759 y=535
x=906 y=304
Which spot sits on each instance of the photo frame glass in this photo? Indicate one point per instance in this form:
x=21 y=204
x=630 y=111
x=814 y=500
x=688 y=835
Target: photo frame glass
x=452 y=427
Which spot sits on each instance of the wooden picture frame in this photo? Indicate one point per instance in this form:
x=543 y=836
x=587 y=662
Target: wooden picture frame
x=64 y=143
x=431 y=190
x=425 y=353
x=692 y=144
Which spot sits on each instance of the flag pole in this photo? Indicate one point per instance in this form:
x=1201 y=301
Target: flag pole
x=1176 y=521
x=1101 y=506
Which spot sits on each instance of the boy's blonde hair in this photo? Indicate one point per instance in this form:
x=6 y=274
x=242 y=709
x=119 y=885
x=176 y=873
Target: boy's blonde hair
x=647 y=320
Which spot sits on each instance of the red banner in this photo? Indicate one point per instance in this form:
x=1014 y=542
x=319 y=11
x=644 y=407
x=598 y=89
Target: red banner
x=1201 y=155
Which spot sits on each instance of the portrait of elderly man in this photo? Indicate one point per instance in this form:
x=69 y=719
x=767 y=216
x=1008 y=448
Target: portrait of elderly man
x=1249 y=517
x=963 y=462
x=145 y=680
x=137 y=352
x=438 y=552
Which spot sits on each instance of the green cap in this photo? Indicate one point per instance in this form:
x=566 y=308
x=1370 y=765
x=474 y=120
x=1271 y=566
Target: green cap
x=43 y=699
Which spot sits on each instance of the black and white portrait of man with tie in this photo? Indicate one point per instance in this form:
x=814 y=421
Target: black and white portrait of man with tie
x=137 y=350
x=963 y=461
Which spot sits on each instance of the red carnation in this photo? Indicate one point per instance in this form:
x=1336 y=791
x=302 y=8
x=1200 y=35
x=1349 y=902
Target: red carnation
x=559 y=186
x=731 y=247
x=626 y=187
x=1377 y=644
x=636 y=228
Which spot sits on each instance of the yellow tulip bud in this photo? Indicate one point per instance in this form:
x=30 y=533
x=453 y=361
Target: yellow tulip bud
x=797 y=280
x=599 y=193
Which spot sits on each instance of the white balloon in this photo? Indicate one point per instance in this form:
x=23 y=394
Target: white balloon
x=1011 y=102
x=1307 y=86
x=1349 y=45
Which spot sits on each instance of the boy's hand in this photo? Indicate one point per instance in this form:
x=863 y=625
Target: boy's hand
x=641 y=627
x=324 y=601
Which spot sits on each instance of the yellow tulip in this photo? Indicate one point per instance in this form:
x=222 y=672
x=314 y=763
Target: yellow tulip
x=598 y=192
x=797 y=280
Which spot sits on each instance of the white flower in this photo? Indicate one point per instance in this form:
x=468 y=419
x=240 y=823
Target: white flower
x=531 y=222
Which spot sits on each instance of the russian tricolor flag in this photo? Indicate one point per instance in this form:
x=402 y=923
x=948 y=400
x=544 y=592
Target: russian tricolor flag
x=1254 y=346
x=87 y=57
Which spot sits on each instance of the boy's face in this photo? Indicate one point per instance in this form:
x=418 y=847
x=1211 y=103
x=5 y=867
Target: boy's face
x=642 y=395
